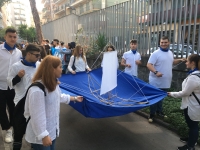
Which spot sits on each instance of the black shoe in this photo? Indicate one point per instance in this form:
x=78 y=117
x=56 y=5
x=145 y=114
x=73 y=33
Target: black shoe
x=185 y=147
x=161 y=114
x=185 y=140
x=151 y=118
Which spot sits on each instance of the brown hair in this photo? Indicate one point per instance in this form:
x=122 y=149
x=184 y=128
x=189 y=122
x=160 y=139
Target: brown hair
x=196 y=59
x=42 y=52
x=76 y=52
x=110 y=46
x=45 y=72
x=165 y=38
x=133 y=41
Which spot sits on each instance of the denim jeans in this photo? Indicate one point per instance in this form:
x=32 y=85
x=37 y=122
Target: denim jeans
x=41 y=147
x=157 y=107
x=193 y=129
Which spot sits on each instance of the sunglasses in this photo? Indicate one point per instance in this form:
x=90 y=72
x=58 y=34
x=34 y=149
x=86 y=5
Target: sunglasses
x=36 y=55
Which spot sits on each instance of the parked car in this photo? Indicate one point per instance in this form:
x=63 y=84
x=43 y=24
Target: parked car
x=181 y=50
x=152 y=50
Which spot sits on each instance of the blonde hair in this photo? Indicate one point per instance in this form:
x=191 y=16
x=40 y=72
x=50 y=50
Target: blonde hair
x=76 y=52
x=45 y=72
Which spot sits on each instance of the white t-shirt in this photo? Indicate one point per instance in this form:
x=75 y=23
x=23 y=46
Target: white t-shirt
x=22 y=86
x=162 y=62
x=130 y=59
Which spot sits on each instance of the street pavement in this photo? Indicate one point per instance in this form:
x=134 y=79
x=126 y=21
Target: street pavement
x=128 y=132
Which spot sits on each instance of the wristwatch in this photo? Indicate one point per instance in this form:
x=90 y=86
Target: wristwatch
x=155 y=72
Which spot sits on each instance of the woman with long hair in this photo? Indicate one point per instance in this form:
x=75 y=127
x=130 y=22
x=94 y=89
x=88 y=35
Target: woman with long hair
x=78 y=61
x=190 y=104
x=43 y=127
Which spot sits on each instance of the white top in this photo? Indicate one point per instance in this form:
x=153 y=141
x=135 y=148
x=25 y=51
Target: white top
x=189 y=85
x=22 y=86
x=6 y=61
x=44 y=112
x=130 y=59
x=79 y=63
x=162 y=62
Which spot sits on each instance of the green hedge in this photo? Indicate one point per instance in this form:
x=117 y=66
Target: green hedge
x=175 y=117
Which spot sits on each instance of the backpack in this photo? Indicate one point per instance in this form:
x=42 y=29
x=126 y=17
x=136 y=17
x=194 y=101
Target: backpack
x=198 y=75
x=18 y=117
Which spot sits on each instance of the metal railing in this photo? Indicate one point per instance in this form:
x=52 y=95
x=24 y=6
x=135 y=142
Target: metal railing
x=146 y=21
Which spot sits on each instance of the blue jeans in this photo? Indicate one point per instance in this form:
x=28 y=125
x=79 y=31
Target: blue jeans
x=157 y=107
x=41 y=147
x=193 y=129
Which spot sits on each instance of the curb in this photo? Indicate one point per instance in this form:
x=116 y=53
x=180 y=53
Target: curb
x=157 y=121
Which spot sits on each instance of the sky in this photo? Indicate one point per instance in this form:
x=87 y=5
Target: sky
x=39 y=5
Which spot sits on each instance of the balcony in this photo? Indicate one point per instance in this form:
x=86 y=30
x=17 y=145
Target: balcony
x=20 y=18
x=46 y=16
x=60 y=9
x=18 y=7
x=16 y=12
x=46 y=3
x=58 y=1
x=97 y=6
x=75 y=2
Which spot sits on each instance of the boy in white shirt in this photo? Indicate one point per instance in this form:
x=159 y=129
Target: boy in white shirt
x=131 y=59
x=9 y=55
x=19 y=78
x=160 y=66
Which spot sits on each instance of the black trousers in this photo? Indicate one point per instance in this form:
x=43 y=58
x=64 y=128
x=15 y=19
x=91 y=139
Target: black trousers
x=193 y=129
x=6 y=101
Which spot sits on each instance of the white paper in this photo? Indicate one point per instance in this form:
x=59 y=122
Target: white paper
x=109 y=76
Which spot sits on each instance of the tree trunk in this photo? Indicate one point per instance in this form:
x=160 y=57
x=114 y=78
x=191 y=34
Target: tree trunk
x=36 y=19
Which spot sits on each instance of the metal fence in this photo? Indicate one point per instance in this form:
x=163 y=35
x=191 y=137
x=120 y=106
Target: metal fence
x=145 y=20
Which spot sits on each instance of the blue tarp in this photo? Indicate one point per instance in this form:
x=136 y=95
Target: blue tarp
x=130 y=95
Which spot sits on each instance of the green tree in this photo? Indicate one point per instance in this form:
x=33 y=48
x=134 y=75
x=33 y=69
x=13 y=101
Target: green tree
x=26 y=33
x=2 y=2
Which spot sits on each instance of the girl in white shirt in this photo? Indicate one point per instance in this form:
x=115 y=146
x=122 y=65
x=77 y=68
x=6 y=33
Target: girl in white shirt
x=43 y=127
x=80 y=62
x=189 y=104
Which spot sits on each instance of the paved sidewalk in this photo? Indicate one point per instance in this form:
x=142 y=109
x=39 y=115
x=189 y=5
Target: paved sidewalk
x=128 y=132
x=6 y=146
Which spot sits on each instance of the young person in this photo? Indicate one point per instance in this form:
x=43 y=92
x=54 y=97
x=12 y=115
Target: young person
x=43 y=127
x=80 y=62
x=131 y=59
x=160 y=66
x=9 y=55
x=190 y=104
x=19 y=78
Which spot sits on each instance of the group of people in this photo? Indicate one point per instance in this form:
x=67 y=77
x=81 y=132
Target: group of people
x=160 y=65
x=18 y=72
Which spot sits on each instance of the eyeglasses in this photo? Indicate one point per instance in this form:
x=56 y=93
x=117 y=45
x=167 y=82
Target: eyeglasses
x=36 y=55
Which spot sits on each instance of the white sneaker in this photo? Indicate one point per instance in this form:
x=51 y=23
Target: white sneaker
x=8 y=137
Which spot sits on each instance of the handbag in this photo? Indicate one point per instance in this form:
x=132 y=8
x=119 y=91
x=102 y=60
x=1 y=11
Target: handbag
x=73 y=66
x=198 y=75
